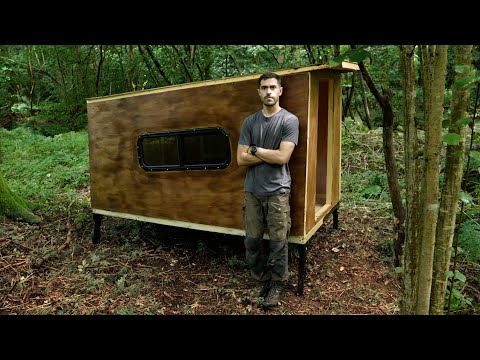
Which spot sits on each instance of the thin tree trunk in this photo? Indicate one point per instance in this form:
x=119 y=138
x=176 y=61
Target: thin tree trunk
x=411 y=246
x=368 y=119
x=451 y=187
x=61 y=71
x=389 y=154
x=430 y=205
x=132 y=84
x=355 y=106
x=351 y=90
x=188 y=75
x=147 y=63
x=99 y=69
x=157 y=64
x=81 y=73
x=310 y=54
x=336 y=50
x=32 y=79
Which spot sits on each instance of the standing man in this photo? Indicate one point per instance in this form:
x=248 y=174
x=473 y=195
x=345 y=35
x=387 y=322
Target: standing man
x=267 y=140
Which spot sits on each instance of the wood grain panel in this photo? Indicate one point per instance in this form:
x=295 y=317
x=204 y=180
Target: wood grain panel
x=295 y=99
x=336 y=139
x=312 y=153
x=213 y=197
x=322 y=147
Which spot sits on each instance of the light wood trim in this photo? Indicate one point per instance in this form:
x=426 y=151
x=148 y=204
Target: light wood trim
x=330 y=149
x=344 y=66
x=335 y=134
x=347 y=66
x=170 y=222
x=189 y=225
x=324 y=210
x=311 y=159
x=322 y=142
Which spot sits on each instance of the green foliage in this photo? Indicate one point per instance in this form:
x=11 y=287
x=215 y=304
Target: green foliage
x=460 y=302
x=234 y=261
x=353 y=55
x=466 y=81
x=22 y=108
x=51 y=83
x=48 y=171
x=469 y=239
x=57 y=118
x=452 y=138
x=370 y=184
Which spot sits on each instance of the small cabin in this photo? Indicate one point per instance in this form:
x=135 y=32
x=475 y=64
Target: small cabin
x=168 y=155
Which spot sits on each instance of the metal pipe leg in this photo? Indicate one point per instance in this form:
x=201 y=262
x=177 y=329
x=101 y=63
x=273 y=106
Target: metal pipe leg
x=302 y=270
x=335 y=217
x=97 y=218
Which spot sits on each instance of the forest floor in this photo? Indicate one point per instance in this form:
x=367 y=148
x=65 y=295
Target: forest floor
x=142 y=268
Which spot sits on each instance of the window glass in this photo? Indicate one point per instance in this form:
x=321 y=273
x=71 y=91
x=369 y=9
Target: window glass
x=207 y=148
x=160 y=151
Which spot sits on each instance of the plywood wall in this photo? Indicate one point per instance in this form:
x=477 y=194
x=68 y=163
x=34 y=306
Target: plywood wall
x=212 y=197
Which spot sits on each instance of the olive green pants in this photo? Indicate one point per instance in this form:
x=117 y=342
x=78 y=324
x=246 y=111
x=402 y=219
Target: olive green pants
x=267 y=259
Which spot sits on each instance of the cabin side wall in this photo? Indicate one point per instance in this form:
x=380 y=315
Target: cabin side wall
x=324 y=149
x=213 y=197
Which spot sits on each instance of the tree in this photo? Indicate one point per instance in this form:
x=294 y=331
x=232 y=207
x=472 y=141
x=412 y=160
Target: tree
x=13 y=206
x=412 y=176
x=430 y=219
x=384 y=100
x=452 y=179
x=434 y=71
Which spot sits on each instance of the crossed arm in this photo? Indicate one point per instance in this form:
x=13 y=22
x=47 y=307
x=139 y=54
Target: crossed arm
x=279 y=156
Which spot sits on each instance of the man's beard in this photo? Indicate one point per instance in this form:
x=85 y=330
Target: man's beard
x=267 y=102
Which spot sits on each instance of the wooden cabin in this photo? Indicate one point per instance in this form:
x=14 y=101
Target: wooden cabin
x=168 y=155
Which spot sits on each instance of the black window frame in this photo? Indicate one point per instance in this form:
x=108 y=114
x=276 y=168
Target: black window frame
x=180 y=149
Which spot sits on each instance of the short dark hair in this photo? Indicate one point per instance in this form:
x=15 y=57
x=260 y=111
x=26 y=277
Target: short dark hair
x=270 y=75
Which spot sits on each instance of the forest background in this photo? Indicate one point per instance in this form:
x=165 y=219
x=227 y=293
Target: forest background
x=421 y=101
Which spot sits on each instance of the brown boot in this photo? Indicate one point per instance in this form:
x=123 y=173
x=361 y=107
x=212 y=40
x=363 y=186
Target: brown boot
x=264 y=288
x=274 y=295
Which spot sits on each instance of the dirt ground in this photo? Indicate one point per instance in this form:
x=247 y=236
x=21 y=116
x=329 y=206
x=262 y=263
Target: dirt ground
x=141 y=268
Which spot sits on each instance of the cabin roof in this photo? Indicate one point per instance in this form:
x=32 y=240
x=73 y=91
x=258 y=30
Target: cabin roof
x=345 y=66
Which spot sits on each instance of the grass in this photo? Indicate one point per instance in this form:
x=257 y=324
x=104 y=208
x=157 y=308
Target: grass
x=51 y=172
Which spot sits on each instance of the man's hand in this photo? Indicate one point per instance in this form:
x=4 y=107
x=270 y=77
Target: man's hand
x=280 y=156
x=245 y=158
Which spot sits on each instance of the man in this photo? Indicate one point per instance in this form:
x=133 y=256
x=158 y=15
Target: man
x=267 y=140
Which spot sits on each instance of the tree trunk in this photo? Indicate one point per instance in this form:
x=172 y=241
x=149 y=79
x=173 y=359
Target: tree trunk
x=350 y=92
x=411 y=245
x=99 y=69
x=13 y=207
x=31 y=92
x=159 y=68
x=368 y=119
x=451 y=187
x=147 y=63
x=433 y=141
x=389 y=154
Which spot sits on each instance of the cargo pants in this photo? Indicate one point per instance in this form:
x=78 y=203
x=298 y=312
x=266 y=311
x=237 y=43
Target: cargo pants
x=267 y=259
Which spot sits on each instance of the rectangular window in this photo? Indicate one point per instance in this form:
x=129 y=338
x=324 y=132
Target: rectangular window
x=192 y=149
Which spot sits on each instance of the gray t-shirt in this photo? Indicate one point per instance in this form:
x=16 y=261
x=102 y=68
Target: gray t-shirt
x=268 y=179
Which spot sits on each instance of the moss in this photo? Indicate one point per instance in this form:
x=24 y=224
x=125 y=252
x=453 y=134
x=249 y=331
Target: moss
x=14 y=207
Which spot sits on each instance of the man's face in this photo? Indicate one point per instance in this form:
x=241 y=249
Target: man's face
x=269 y=91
